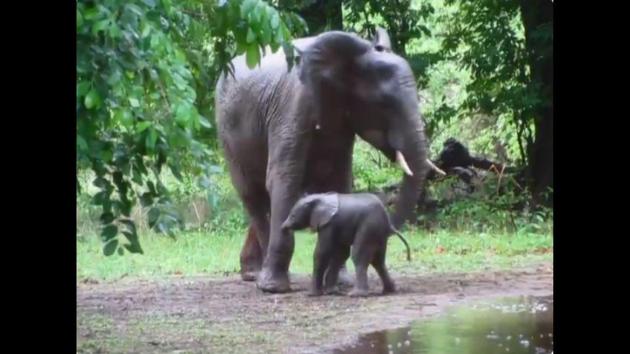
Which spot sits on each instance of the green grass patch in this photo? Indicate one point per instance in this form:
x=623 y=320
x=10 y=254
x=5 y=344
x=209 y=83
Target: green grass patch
x=207 y=253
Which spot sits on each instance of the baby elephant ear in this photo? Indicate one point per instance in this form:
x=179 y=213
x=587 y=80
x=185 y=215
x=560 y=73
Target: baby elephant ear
x=325 y=208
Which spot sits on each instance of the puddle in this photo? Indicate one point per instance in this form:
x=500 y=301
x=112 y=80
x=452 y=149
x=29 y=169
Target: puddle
x=522 y=325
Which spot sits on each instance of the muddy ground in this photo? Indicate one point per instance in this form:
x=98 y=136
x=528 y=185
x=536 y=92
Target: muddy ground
x=226 y=315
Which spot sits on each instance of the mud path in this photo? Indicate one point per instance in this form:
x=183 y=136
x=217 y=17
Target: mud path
x=209 y=315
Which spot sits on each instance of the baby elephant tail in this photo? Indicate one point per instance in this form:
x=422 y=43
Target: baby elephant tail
x=404 y=241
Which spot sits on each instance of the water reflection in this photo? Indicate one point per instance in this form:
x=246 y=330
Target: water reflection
x=521 y=325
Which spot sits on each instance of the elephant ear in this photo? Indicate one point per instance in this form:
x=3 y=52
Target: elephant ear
x=329 y=56
x=381 y=41
x=325 y=208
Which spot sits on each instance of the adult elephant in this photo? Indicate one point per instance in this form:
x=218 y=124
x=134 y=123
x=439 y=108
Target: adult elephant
x=287 y=132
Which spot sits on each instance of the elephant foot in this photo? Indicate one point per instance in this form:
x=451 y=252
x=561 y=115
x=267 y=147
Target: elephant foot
x=315 y=292
x=345 y=279
x=273 y=283
x=389 y=290
x=249 y=275
x=334 y=290
x=358 y=293
x=251 y=257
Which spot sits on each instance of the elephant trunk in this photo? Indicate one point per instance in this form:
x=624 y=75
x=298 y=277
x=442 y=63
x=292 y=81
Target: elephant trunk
x=412 y=157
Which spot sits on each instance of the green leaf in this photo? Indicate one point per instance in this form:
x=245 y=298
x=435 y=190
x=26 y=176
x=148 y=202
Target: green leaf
x=146 y=199
x=247 y=6
x=124 y=117
x=130 y=224
x=204 y=122
x=100 y=26
x=151 y=139
x=149 y=3
x=251 y=37
x=100 y=198
x=82 y=89
x=79 y=19
x=275 y=20
x=110 y=247
x=92 y=99
x=152 y=189
x=183 y=113
x=107 y=155
x=253 y=55
x=175 y=169
x=145 y=31
x=115 y=32
x=286 y=34
x=91 y=13
x=134 y=102
x=81 y=143
x=274 y=46
x=109 y=232
x=256 y=13
x=142 y=126
x=134 y=245
x=279 y=37
x=266 y=33
x=134 y=248
x=153 y=215
x=135 y=9
x=121 y=251
x=125 y=207
x=107 y=218
x=241 y=47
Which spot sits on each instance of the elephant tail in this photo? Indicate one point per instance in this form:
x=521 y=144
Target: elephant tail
x=402 y=238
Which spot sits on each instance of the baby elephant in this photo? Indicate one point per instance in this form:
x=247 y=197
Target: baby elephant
x=344 y=220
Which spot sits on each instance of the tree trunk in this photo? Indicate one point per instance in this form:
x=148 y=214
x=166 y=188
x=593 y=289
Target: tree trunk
x=322 y=15
x=536 y=14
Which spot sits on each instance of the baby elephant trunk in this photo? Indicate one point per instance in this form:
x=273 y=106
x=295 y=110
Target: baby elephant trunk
x=404 y=241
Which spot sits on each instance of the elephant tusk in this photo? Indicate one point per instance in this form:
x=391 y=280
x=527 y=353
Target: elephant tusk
x=437 y=169
x=400 y=158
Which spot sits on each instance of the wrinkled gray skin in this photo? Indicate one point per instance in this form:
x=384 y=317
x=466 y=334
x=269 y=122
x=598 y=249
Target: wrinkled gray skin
x=345 y=223
x=289 y=132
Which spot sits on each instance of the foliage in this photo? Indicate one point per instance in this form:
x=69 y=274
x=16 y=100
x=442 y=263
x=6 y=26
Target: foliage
x=146 y=147
x=497 y=204
x=487 y=39
x=145 y=76
x=402 y=19
x=371 y=170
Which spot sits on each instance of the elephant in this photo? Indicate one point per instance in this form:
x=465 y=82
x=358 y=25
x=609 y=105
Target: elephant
x=285 y=131
x=356 y=223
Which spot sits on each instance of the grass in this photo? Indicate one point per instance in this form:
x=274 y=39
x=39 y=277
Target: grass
x=196 y=253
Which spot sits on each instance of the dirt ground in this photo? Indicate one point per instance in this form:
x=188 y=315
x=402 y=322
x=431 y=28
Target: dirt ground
x=227 y=315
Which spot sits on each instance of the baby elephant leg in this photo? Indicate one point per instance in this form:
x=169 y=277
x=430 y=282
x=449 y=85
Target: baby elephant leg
x=381 y=269
x=337 y=260
x=321 y=261
x=361 y=258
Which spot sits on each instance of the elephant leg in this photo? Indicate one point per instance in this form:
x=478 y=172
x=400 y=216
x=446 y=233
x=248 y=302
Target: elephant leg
x=251 y=256
x=256 y=203
x=274 y=275
x=381 y=269
x=340 y=181
x=361 y=285
x=255 y=247
x=321 y=260
x=337 y=261
x=344 y=278
x=361 y=257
